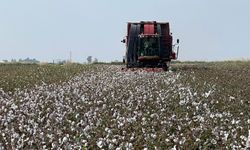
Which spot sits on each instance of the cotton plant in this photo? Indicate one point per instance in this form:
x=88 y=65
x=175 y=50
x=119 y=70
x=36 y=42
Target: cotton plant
x=106 y=108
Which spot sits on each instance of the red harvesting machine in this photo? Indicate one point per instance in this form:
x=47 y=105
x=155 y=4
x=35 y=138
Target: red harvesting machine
x=149 y=44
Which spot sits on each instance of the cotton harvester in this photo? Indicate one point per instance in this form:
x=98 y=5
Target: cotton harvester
x=149 y=45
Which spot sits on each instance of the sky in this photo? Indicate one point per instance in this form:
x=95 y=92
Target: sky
x=209 y=30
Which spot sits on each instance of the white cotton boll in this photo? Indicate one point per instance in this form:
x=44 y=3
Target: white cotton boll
x=16 y=135
x=182 y=141
x=77 y=115
x=200 y=118
x=30 y=142
x=243 y=137
x=20 y=128
x=111 y=146
x=176 y=139
x=197 y=140
x=53 y=145
x=65 y=139
x=3 y=134
x=50 y=135
x=87 y=128
x=225 y=136
x=131 y=120
x=248 y=140
x=114 y=141
x=153 y=135
x=174 y=148
x=153 y=115
x=182 y=102
x=107 y=130
x=235 y=121
x=12 y=140
x=208 y=93
x=219 y=115
x=231 y=98
x=14 y=107
x=120 y=124
x=128 y=146
x=100 y=143
x=104 y=106
x=205 y=105
x=99 y=102
x=211 y=116
x=213 y=141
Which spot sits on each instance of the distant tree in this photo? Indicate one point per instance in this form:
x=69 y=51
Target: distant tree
x=95 y=60
x=89 y=59
x=62 y=62
x=28 y=61
x=13 y=60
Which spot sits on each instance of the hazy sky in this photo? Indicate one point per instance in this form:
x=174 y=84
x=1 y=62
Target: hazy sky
x=49 y=29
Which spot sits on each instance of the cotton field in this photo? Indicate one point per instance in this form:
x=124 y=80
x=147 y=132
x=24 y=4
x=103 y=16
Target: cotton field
x=189 y=107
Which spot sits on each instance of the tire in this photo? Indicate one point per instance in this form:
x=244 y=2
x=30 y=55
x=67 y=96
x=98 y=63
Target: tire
x=165 y=67
x=133 y=44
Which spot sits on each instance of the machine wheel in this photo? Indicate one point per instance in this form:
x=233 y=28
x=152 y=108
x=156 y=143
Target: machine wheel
x=165 y=66
x=128 y=65
x=133 y=44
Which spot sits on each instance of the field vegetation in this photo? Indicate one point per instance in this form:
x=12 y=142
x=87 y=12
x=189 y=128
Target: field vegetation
x=195 y=105
x=16 y=76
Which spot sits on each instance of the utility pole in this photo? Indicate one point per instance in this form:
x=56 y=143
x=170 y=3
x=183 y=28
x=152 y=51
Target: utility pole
x=70 y=56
